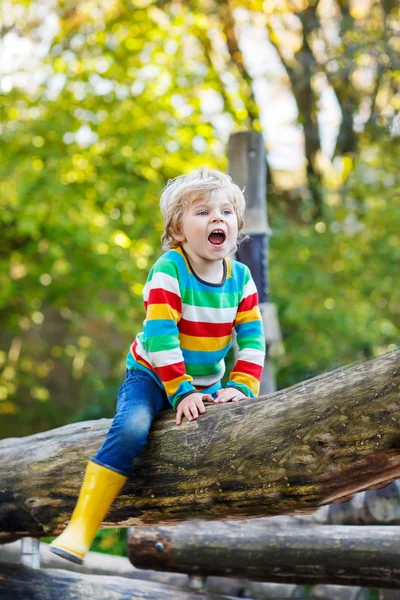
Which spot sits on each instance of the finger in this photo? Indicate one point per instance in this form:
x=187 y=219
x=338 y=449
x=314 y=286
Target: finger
x=227 y=398
x=208 y=398
x=201 y=407
x=179 y=416
x=188 y=414
x=194 y=411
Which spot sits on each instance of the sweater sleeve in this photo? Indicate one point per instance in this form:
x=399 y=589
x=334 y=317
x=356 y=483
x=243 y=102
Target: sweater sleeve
x=246 y=374
x=163 y=304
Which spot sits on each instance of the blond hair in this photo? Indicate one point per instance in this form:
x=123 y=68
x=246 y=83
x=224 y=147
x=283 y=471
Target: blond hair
x=181 y=192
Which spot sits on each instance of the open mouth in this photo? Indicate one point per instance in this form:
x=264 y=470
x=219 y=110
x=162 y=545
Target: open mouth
x=217 y=237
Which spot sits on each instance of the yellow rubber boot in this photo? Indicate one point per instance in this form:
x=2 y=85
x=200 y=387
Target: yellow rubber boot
x=99 y=489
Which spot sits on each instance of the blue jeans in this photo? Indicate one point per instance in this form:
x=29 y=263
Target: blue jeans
x=139 y=400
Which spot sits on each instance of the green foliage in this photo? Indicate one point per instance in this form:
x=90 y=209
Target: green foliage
x=79 y=216
x=110 y=541
x=335 y=281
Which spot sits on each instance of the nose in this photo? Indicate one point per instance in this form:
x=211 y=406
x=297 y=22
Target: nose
x=217 y=219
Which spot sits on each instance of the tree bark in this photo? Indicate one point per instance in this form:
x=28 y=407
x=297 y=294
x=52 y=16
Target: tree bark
x=105 y=564
x=374 y=507
x=21 y=583
x=300 y=71
x=337 y=555
x=290 y=452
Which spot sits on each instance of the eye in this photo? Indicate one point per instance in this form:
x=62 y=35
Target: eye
x=227 y=211
x=202 y=212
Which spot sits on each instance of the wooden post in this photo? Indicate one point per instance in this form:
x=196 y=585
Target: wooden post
x=30 y=552
x=247 y=166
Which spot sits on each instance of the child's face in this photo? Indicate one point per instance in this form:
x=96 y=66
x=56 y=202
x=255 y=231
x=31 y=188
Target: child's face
x=209 y=227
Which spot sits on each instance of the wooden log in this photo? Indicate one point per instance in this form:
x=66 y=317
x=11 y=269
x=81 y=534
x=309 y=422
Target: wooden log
x=335 y=555
x=22 y=583
x=373 y=507
x=97 y=563
x=315 y=443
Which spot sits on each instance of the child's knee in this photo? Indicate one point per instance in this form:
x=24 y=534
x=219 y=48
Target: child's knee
x=136 y=426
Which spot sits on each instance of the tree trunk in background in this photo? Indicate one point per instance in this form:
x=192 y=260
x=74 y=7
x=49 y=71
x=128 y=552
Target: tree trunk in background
x=315 y=443
x=301 y=70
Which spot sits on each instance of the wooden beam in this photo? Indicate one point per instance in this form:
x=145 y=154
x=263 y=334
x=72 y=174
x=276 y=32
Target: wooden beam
x=23 y=583
x=97 y=563
x=334 y=555
x=315 y=443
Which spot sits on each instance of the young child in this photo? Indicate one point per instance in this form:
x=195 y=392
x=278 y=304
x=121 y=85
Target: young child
x=194 y=296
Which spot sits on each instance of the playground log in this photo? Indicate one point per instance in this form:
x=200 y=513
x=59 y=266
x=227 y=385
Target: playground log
x=318 y=442
x=372 y=507
x=97 y=563
x=367 y=556
x=20 y=583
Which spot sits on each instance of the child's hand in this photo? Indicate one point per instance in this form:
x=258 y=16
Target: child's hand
x=192 y=407
x=229 y=394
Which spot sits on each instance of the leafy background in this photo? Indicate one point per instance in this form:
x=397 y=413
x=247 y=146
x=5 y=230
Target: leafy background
x=131 y=94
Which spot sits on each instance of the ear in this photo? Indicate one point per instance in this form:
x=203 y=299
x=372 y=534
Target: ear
x=177 y=234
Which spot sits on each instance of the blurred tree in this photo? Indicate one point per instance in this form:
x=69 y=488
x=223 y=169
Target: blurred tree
x=335 y=280
x=84 y=158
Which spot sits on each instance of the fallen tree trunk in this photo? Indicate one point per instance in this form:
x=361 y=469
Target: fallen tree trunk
x=290 y=452
x=373 y=507
x=335 y=555
x=21 y=583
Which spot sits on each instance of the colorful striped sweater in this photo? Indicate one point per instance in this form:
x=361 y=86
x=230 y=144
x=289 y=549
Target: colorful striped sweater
x=188 y=329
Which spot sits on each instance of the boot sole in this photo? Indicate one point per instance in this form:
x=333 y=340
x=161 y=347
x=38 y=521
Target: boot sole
x=67 y=555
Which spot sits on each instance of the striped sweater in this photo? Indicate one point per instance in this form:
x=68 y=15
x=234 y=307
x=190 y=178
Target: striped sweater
x=188 y=329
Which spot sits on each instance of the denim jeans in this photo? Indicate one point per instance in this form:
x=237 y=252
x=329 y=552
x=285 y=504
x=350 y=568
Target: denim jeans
x=139 y=400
